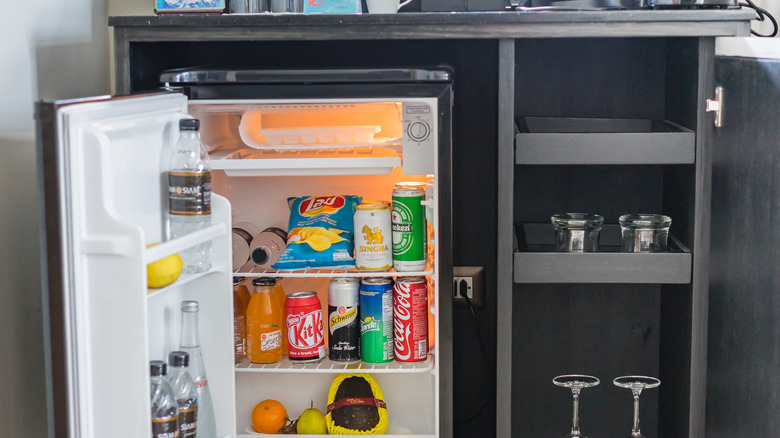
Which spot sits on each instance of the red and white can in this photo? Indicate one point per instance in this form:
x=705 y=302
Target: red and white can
x=305 y=335
x=410 y=319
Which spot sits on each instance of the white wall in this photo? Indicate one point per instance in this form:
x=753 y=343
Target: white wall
x=51 y=49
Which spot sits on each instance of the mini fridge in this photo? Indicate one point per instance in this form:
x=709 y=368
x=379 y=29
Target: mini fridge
x=271 y=135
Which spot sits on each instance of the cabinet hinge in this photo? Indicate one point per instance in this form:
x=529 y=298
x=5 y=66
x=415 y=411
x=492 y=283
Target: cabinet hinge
x=716 y=106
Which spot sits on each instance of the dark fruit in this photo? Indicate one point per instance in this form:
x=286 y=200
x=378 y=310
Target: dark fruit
x=355 y=417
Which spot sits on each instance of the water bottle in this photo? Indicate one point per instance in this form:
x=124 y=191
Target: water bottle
x=189 y=194
x=190 y=343
x=184 y=391
x=165 y=411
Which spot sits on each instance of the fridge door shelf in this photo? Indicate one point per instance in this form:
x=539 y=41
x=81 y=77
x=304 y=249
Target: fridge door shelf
x=535 y=260
x=352 y=161
x=327 y=366
x=157 y=252
x=251 y=270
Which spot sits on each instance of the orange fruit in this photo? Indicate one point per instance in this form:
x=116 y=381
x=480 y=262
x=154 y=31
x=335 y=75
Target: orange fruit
x=269 y=416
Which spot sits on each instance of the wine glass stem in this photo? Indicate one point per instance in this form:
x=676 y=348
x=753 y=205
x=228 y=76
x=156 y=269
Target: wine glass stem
x=635 y=429
x=575 y=420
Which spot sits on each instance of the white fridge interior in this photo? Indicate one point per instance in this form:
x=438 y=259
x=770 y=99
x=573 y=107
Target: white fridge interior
x=113 y=207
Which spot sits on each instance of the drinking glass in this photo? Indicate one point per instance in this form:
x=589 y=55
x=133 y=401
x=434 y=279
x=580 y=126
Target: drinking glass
x=575 y=382
x=636 y=384
x=577 y=232
x=644 y=232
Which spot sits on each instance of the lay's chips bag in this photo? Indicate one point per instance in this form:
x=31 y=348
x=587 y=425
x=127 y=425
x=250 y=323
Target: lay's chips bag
x=320 y=233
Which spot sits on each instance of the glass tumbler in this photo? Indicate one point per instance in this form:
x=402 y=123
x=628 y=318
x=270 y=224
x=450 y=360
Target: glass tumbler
x=644 y=232
x=577 y=232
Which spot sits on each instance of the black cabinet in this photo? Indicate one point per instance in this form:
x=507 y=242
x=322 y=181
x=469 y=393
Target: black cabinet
x=602 y=112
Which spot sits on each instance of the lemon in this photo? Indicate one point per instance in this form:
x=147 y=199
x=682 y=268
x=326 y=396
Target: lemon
x=164 y=271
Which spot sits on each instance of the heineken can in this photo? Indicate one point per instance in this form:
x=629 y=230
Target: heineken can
x=410 y=229
x=376 y=320
x=343 y=324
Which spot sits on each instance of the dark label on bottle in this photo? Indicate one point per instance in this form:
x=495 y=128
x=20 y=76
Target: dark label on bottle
x=188 y=422
x=165 y=427
x=189 y=193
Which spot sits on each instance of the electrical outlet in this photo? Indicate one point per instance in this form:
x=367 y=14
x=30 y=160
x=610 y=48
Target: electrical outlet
x=472 y=280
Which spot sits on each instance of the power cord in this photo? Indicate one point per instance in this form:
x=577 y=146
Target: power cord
x=762 y=14
x=462 y=291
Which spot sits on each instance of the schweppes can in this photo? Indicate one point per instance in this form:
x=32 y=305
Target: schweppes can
x=410 y=229
x=373 y=237
x=343 y=320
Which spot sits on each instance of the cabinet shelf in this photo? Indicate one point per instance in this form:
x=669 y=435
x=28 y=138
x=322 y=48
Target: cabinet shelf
x=538 y=263
x=327 y=366
x=591 y=141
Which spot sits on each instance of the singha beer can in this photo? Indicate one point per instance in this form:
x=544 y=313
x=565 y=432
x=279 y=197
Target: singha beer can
x=410 y=319
x=410 y=229
x=376 y=320
x=373 y=237
x=305 y=336
x=343 y=320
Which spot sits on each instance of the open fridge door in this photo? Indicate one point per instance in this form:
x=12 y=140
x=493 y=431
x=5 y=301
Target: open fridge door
x=101 y=172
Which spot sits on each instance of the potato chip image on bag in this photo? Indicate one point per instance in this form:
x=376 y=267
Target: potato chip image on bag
x=320 y=233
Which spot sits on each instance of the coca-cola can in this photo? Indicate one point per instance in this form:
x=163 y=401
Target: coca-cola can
x=305 y=335
x=410 y=319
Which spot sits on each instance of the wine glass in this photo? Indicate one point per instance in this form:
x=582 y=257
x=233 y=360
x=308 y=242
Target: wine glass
x=576 y=382
x=636 y=384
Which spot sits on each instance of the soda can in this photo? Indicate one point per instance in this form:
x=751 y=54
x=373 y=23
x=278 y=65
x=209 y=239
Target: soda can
x=343 y=318
x=305 y=336
x=373 y=238
x=410 y=229
x=376 y=320
x=410 y=319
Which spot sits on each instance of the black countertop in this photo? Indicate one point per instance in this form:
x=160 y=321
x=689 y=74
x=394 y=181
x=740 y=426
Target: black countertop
x=445 y=25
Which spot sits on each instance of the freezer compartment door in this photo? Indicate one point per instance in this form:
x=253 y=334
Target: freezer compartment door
x=110 y=201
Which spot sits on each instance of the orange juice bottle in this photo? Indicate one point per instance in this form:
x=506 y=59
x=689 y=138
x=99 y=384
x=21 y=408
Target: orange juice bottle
x=264 y=323
x=281 y=296
x=243 y=292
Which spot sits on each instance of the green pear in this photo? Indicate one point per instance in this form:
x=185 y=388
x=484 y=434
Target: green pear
x=312 y=422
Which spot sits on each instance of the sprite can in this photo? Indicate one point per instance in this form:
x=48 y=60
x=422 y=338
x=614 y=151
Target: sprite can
x=410 y=229
x=376 y=320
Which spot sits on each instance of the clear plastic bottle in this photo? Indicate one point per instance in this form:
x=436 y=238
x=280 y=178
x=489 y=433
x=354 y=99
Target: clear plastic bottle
x=184 y=391
x=239 y=323
x=190 y=343
x=243 y=232
x=267 y=246
x=165 y=411
x=189 y=194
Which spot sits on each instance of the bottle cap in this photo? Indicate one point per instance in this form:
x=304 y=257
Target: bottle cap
x=263 y=282
x=189 y=124
x=260 y=255
x=179 y=359
x=189 y=306
x=158 y=368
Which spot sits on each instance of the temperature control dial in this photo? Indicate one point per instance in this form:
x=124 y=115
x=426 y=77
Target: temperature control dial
x=418 y=131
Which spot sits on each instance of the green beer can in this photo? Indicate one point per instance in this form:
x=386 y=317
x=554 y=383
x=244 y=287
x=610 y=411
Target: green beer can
x=410 y=243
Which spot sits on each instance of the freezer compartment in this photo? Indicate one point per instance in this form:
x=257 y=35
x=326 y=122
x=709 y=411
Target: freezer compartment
x=411 y=406
x=251 y=138
x=570 y=140
x=535 y=260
